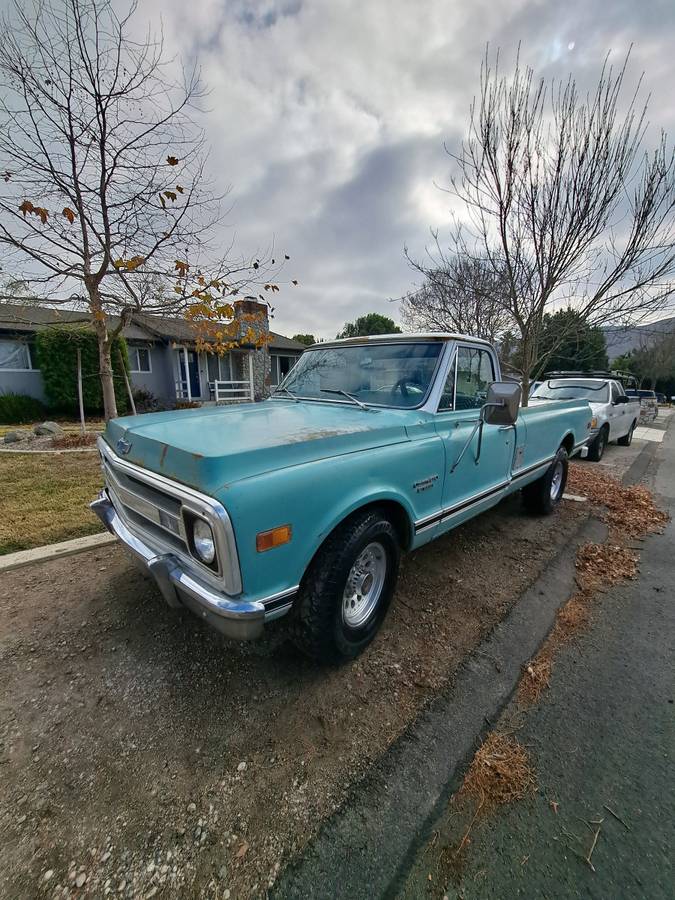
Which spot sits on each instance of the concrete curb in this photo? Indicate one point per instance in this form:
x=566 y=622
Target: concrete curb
x=54 y=551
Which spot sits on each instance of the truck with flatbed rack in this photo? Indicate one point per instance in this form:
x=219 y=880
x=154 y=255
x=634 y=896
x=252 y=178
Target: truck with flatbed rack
x=615 y=414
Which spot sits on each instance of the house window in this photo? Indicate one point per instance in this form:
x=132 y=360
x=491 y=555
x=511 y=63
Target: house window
x=15 y=356
x=281 y=366
x=139 y=359
x=218 y=367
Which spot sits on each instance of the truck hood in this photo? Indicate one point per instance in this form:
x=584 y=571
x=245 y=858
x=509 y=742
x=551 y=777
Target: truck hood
x=209 y=448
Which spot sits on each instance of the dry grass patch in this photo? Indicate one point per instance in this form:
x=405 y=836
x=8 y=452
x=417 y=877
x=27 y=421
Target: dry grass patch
x=44 y=498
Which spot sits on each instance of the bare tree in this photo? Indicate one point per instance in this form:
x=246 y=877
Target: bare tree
x=561 y=196
x=459 y=294
x=104 y=198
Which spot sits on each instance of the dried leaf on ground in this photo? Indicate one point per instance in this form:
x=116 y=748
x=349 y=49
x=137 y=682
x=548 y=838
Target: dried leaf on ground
x=630 y=508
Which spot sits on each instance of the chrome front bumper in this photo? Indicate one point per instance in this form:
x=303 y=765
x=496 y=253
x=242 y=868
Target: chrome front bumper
x=241 y=620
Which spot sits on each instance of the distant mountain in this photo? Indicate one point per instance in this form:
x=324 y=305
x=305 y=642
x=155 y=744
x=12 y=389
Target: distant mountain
x=622 y=340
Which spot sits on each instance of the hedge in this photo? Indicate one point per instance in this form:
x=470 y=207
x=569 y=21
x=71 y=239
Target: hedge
x=57 y=358
x=17 y=409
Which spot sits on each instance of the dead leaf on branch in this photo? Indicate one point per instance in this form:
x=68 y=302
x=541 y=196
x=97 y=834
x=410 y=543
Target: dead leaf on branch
x=27 y=208
x=172 y=160
x=69 y=214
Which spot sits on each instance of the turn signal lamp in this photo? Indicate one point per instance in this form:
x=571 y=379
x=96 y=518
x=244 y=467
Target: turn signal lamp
x=267 y=540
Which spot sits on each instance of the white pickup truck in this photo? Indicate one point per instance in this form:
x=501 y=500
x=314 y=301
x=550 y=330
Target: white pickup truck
x=615 y=414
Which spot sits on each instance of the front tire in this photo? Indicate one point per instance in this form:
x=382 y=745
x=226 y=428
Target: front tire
x=347 y=590
x=627 y=439
x=543 y=495
x=597 y=448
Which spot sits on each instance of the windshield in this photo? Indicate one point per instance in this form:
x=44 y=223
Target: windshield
x=397 y=374
x=568 y=389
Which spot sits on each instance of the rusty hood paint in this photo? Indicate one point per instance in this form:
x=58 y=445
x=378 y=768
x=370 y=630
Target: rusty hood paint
x=210 y=448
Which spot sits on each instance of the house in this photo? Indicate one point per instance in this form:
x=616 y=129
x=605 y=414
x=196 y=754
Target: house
x=163 y=356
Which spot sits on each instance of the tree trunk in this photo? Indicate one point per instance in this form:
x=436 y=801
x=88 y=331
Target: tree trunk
x=105 y=368
x=107 y=382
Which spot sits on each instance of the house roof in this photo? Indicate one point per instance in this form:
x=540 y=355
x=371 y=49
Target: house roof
x=30 y=317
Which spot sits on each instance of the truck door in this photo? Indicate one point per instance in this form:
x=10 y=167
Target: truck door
x=471 y=483
x=618 y=413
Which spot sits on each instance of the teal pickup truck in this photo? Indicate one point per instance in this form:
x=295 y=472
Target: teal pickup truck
x=301 y=505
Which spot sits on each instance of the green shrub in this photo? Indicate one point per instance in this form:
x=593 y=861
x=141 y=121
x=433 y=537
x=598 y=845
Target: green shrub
x=57 y=357
x=17 y=409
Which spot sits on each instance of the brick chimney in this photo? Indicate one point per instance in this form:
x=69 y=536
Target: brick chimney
x=251 y=314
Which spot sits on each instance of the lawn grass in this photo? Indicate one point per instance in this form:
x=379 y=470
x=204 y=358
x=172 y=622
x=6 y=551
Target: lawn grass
x=44 y=498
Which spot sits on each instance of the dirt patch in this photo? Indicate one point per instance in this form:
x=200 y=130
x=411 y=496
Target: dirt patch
x=142 y=751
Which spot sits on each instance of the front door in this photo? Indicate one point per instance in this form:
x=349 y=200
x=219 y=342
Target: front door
x=471 y=482
x=192 y=371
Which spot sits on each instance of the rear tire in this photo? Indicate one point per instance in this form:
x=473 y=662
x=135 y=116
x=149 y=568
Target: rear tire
x=627 y=439
x=347 y=590
x=597 y=448
x=543 y=495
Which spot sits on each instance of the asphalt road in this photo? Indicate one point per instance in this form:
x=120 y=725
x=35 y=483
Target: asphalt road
x=602 y=736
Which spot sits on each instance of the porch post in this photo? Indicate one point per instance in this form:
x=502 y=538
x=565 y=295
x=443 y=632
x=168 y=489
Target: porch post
x=250 y=374
x=187 y=374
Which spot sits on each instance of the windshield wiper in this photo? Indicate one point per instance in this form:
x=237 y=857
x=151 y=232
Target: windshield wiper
x=344 y=394
x=284 y=390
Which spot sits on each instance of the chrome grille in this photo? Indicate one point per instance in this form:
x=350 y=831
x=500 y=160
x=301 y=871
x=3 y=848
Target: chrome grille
x=159 y=509
x=145 y=506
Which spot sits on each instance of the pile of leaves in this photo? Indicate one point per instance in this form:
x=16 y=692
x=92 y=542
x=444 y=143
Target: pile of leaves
x=73 y=441
x=499 y=773
x=630 y=509
x=605 y=564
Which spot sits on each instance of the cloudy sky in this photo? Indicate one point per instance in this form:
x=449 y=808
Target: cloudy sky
x=328 y=119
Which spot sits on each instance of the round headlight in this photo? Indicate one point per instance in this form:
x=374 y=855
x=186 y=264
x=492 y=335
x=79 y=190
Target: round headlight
x=202 y=536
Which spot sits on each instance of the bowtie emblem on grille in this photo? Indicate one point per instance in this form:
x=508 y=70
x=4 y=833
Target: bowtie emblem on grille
x=123 y=447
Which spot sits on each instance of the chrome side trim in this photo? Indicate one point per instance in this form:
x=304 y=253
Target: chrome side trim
x=280 y=599
x=449 y=511
x=198 y=504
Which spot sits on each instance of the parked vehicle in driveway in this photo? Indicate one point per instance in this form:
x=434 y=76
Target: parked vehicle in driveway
x=615 y=414
x=301 y=505
x=649 y=405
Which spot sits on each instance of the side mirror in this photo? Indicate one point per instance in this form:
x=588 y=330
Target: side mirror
x=620 y=400
x=502 y=403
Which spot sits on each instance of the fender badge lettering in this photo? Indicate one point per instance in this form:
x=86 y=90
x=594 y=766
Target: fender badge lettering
x=425 y=483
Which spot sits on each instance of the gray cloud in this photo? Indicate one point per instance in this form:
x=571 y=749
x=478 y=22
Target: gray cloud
x=328 y=119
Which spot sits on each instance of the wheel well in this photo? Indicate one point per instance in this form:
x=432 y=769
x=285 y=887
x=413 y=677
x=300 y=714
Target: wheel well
x=568 y=443
x=396 y=514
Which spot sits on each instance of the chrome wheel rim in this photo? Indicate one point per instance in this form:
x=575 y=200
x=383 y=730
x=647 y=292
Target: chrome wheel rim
x=364 y=585
x=556 y=481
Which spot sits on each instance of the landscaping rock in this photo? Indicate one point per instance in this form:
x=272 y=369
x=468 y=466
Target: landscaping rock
x=48 y=428
x=19 y=434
